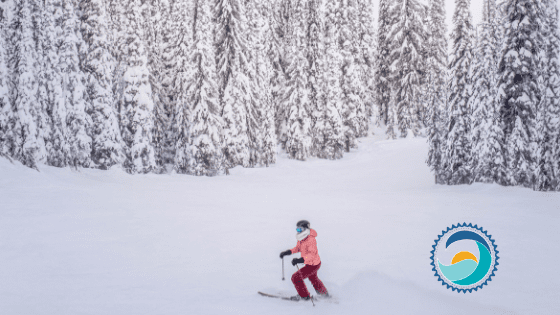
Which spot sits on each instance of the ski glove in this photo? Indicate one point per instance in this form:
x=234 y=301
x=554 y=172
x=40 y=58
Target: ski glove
x=296 y=261
x=285 y=253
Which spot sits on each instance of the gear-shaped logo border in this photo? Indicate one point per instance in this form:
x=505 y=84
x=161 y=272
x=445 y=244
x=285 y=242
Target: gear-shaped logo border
x=496 y=263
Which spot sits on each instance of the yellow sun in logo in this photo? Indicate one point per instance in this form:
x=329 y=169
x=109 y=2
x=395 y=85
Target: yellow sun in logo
x=460 y=256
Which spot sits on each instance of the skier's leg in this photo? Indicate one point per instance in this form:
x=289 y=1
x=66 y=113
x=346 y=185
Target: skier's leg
x=297 y=280
x=316 y=282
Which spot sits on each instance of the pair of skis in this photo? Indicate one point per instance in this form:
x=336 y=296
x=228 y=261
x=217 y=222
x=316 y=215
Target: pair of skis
x=313 y=299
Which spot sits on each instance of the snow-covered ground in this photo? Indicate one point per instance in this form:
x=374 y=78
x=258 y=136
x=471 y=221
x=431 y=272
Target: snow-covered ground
x=104 y=242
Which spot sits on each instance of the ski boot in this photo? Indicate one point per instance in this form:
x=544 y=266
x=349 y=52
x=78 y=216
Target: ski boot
x=322 y=296
x=299 y=298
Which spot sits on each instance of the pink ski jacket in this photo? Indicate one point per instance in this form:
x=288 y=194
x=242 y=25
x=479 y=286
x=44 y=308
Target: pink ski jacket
x=308 y=249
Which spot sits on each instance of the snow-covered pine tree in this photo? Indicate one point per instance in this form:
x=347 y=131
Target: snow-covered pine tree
x=435 y=135
x=297 y=92
x=520 y=94
x=362 y=111
x=407 y=64
x=199 y=149
x=255 y=110
x=265 y=73
x=314 y=56
x=51 y=94
x=382 y=81
x=280 y=61
x=98 y=66
x=367 y=43
x=270 y=141
x=422 y=110
x=275 y=55
x=518 y=159
x=117 y=36
x=233 y=82
x=171 y=12
x=457 y=150
x=353 y=109
x=436 y=86
x=554 y=87
x=392 y=115
x=21 y=139
x=437 y=49
x=152 y=25
x=178 y=72
x=329 y=128
x=4 y=91
x=41 y=115
x=137 y=108
x=488 y=163
x=73 y=86
x=549 y=173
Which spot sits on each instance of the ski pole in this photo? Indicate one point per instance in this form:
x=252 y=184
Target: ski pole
x=282 y=268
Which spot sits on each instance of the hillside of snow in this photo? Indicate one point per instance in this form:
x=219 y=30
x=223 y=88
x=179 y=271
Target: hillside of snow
x=105 y=242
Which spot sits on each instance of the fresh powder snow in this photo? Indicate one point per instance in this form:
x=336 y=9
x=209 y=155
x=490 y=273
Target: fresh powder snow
x=106 y=242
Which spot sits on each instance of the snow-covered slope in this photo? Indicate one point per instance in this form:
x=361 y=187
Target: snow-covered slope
x=104 y=242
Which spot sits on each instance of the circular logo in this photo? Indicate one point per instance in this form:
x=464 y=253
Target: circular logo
x=464 y=258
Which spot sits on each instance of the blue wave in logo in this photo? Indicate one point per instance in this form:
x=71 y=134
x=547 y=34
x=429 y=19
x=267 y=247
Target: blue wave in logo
x=458 y=271
x=466 y=235
x=481 y=270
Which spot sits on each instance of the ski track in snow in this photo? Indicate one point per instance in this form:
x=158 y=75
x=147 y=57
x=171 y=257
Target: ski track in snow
x=104 y=242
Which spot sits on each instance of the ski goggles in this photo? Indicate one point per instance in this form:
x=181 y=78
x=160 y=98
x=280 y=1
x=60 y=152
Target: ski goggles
x=300 y=229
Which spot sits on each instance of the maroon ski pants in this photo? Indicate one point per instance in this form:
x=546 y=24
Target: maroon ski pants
x=310 y=272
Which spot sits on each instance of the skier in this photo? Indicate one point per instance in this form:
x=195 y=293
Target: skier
x=307 y=245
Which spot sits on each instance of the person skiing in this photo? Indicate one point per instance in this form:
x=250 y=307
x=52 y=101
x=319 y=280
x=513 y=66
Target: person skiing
x=307 y=245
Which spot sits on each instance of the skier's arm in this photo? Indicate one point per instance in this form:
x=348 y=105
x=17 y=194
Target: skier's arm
x=295 y=249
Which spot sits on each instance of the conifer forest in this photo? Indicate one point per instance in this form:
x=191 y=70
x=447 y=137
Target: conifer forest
x=199 y=87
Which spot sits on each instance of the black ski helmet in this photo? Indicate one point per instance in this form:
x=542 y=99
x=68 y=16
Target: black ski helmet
x=303 y=223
